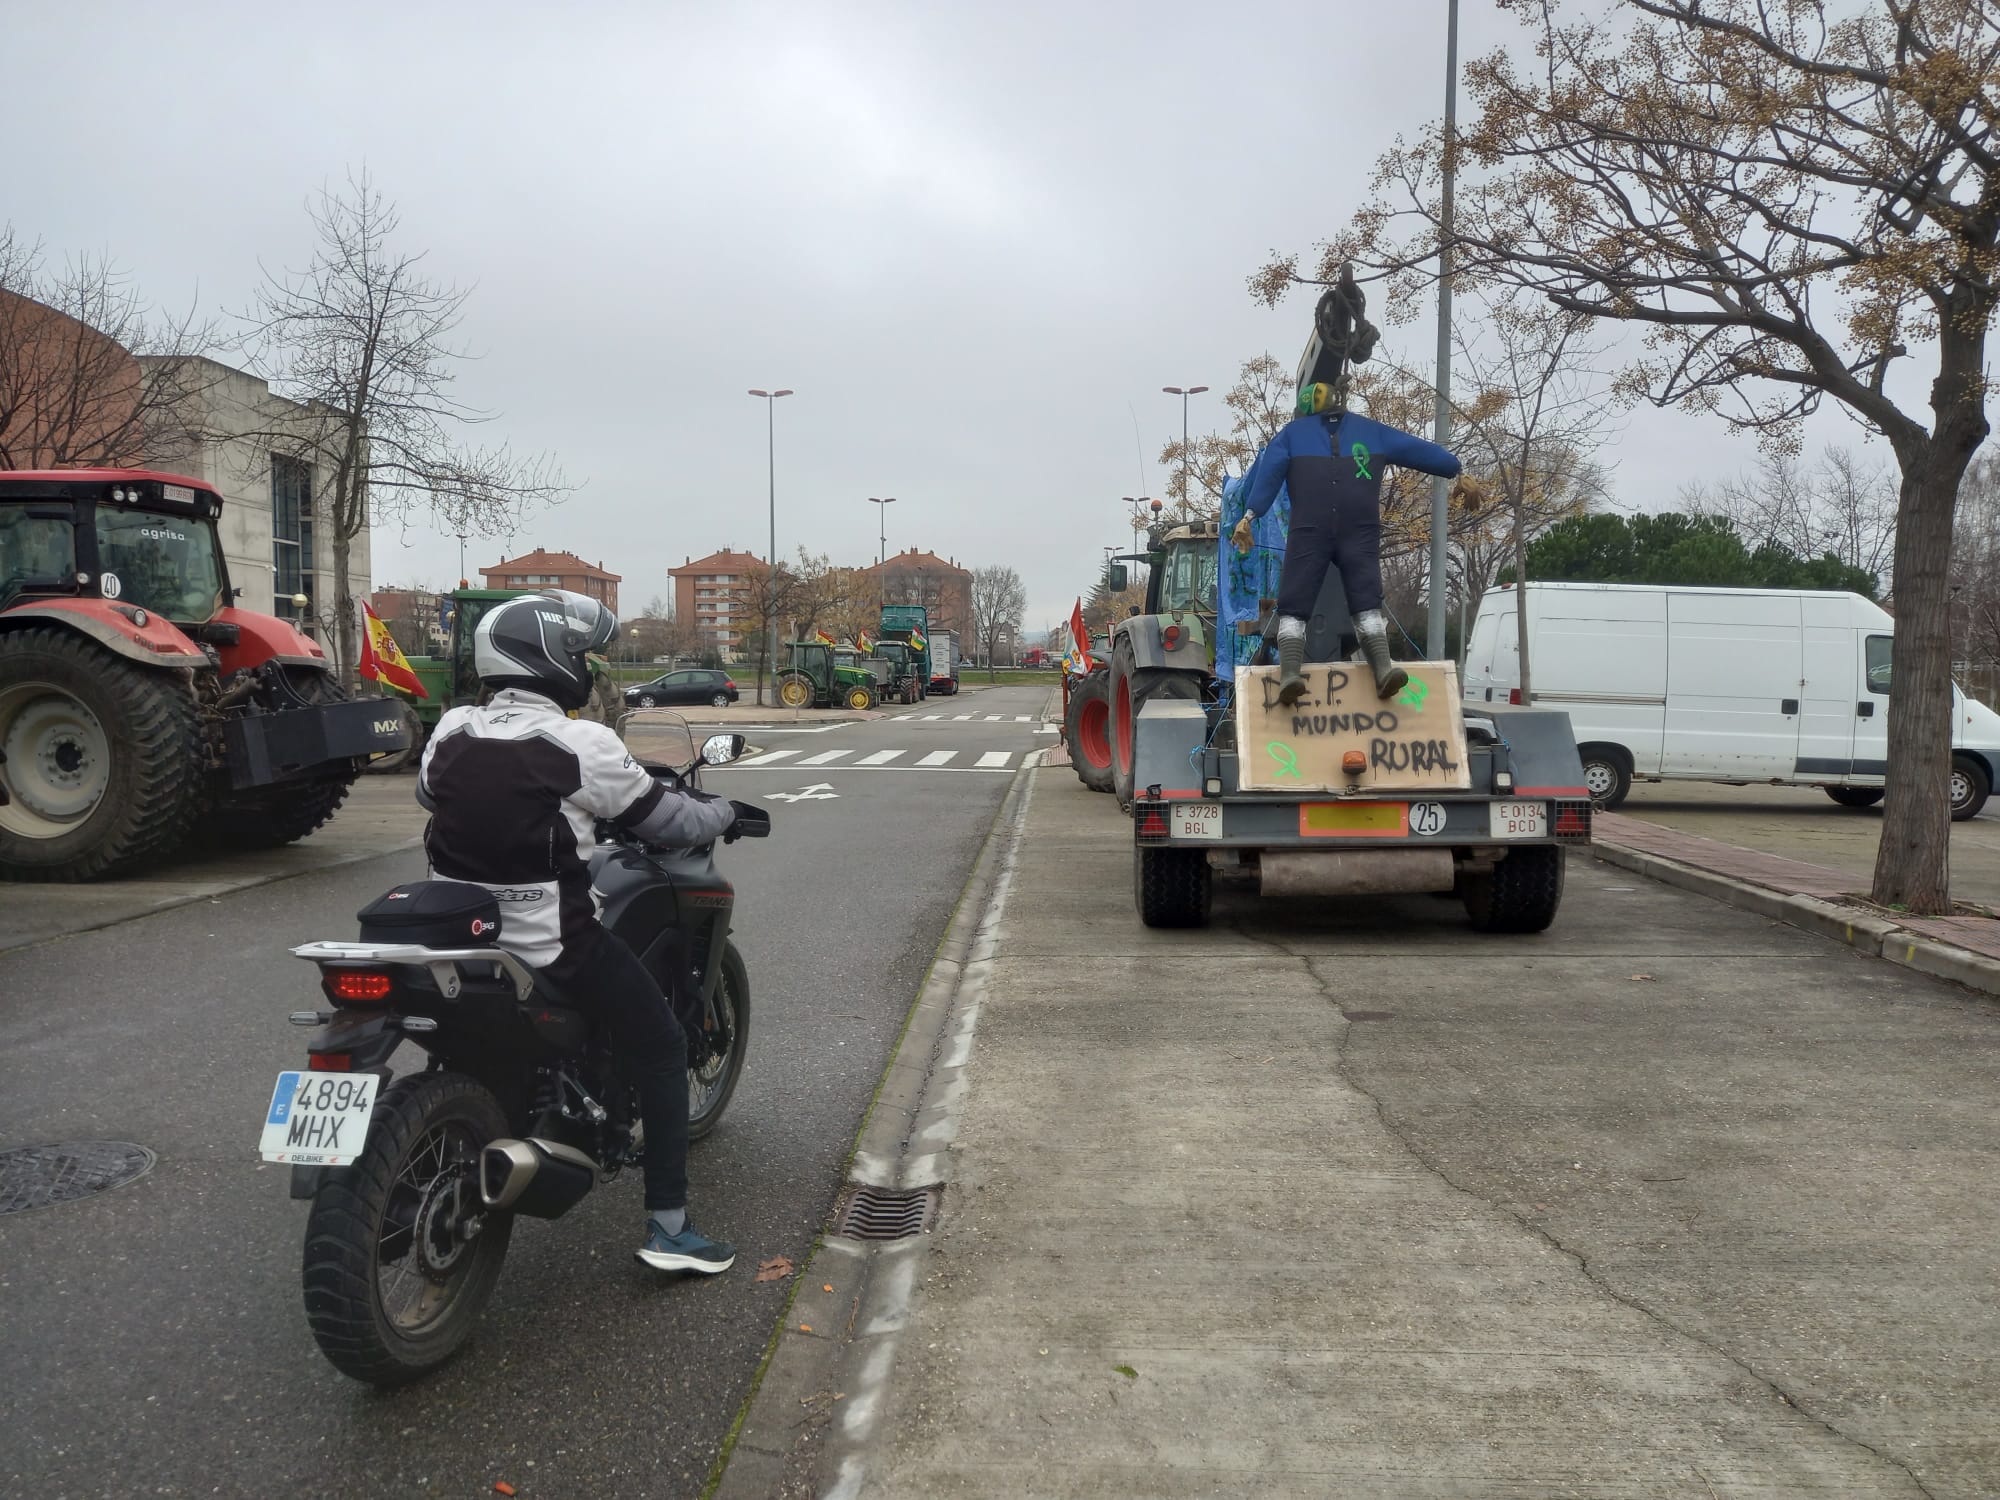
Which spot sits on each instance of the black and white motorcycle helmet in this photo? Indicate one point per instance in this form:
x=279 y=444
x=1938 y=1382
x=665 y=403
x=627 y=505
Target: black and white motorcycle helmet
x=539 y=642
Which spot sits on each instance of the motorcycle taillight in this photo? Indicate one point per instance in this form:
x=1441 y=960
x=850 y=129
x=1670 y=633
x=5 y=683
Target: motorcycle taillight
x=356 y=986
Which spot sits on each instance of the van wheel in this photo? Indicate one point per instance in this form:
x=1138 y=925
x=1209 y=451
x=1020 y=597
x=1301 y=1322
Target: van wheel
x=1607 y=774
x=1855 y=796
x=1970 y=787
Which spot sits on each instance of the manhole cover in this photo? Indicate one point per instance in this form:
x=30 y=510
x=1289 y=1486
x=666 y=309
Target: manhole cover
x=36 y=1176
x=878 y=1213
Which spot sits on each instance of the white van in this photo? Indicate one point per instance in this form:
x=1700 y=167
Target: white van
x=1708 y=684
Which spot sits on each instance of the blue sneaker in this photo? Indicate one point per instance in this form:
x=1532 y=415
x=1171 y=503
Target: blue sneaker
x=690 y=1250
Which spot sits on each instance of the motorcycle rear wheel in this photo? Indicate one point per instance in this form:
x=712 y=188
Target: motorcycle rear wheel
x=400 y=1256
x=711 y=1085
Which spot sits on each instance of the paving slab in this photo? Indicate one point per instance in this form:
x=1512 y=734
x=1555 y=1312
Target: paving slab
x=1672 y=1200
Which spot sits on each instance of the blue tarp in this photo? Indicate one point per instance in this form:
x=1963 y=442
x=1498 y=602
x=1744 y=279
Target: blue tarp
x=1245 y=581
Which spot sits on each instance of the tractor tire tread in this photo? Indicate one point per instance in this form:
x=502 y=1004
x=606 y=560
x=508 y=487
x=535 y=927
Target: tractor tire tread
x=164 y=733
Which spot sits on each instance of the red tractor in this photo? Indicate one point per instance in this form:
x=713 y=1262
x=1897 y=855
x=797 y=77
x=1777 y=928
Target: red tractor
x=138 y=706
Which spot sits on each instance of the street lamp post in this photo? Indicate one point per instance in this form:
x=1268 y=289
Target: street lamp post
x=770 y=399
x=1184 y=393
x=1441 y=426
x=881 y=527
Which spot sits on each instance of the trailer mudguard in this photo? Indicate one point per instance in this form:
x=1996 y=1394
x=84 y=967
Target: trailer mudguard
x=1541 y=749
x=1167 y=743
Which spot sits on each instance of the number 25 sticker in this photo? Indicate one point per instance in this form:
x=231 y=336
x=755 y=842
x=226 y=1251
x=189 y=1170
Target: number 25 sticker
x=1426 y=818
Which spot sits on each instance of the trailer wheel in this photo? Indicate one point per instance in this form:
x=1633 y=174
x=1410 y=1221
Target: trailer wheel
x=1854 y=796
x=1173 y=886
x=1519 y=894
x=1970 y=787
x=1607 y=773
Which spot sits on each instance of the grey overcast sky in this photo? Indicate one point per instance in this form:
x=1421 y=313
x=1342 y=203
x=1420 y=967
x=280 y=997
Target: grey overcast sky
x=976 y=240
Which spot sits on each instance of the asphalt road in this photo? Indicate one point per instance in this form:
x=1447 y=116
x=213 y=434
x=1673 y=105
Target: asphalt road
x=154 y=1340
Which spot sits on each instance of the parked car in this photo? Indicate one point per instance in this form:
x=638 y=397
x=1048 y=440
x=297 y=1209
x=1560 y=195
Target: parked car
x=1711 y=684
x=694 y=685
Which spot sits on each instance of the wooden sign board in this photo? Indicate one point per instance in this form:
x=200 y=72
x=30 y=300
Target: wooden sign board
x=1413 y=742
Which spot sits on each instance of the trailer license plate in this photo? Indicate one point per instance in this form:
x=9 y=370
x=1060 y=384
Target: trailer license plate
x=1519 y=820
x=1197 y=820
x=318 y=1119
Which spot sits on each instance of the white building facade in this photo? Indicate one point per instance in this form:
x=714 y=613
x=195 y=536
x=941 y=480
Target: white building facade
x=277 y=532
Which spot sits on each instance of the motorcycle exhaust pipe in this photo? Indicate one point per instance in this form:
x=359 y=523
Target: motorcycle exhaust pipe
x=543 y=1179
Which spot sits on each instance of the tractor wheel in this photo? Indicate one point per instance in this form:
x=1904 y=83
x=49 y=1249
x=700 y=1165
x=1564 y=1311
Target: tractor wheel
x=104 y=763
x=1173 y=887
x=1519 y=894
x=1088 y=730
x=274 y=816
x=859 y=698
x=795 y=690
x=268 y=817
x=1131 y=689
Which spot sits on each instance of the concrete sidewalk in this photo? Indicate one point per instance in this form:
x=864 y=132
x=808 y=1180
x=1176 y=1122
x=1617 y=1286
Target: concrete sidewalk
x=1670 y=1201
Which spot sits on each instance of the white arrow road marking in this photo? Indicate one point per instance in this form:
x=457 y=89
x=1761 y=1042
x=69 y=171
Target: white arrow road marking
x=938 y=758
x=769 y=757
x=819 y=791
x=878 y=758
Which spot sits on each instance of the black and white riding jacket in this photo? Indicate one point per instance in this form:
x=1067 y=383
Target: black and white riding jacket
x=514 y=788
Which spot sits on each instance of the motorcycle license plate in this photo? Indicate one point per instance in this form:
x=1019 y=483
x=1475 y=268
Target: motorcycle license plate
x=318 y=1119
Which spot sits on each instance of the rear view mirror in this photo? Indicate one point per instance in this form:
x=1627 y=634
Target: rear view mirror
x=721 y=749
x=1116 y=577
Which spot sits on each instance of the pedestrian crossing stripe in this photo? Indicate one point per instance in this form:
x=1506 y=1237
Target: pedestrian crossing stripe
x=960 y=718
x=884 y=760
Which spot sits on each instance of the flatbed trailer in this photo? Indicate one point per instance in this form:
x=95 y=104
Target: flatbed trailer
x=1497 y=842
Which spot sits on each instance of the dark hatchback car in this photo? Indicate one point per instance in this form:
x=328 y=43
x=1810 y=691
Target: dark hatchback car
x=694 y=685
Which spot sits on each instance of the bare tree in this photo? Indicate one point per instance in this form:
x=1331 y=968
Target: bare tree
x=1788 y=199
x=77 y=385
x=1534 y=418
x=999 y=603
x=1844 y=506
x=361 y=341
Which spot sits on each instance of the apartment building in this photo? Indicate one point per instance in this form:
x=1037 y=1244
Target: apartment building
x=542 y=569
x=710 y=593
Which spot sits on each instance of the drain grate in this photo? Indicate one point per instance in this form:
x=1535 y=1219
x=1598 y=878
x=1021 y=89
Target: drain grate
x=37 y=1176
x=878 y=1213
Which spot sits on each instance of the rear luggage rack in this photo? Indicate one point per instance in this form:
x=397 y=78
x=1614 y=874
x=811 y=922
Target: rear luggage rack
x=442 y=962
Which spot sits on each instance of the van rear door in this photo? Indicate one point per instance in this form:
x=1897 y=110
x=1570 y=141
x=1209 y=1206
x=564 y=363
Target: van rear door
x=1735 y=662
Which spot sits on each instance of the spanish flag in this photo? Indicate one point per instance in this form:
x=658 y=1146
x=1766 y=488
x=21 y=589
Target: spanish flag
x=862 y=644
x=382 y=659
x=820 y=635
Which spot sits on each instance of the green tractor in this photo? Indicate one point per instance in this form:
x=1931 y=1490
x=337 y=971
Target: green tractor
x=450 y=679
x=900 y=666
x=816 y=680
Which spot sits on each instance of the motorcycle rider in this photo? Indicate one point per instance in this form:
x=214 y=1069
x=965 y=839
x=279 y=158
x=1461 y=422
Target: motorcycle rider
x=514 y=787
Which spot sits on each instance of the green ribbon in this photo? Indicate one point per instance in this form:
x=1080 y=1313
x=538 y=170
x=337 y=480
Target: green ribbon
x=1359 y=452
x=1413 y=695
x=1287 y=759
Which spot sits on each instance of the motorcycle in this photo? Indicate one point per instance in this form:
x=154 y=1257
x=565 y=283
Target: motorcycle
x=415 y=1180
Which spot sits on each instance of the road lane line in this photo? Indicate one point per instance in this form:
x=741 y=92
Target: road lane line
x=769 y=757
x=993 y=758
x=938 y=758
x=878 y=758
x=825 y=757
